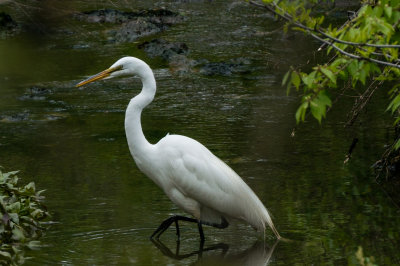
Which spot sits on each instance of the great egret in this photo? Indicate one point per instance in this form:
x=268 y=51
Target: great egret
x=192 y=177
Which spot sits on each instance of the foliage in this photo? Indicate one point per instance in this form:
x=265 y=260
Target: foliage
x=21 y=213
x=362 y=260
x=364 y=52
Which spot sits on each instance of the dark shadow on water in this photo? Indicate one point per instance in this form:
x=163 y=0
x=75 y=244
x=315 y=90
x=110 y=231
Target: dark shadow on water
x=259 y=253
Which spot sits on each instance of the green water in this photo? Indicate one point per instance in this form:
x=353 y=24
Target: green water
x=72 y=143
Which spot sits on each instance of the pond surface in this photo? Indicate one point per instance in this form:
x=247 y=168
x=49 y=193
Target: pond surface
x=72 y=143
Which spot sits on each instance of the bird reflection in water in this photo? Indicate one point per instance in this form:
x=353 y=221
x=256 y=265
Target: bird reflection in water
x=257 y=254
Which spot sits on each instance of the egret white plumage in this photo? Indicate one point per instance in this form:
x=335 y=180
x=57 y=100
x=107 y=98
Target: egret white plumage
x=190 y=175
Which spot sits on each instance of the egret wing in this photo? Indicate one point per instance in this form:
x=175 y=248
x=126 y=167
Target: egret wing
x=203 y=177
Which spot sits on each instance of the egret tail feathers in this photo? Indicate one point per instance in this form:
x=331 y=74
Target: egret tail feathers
x=267 y=218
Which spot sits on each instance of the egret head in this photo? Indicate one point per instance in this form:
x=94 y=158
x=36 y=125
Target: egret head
x=126 y=66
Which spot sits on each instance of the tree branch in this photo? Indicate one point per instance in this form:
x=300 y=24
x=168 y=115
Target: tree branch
x=356 y=43
x=313 y=32
x=353 y=55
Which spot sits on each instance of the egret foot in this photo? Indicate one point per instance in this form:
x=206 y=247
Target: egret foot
x=174 y=219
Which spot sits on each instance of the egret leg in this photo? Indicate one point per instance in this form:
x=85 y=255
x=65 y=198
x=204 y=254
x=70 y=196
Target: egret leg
x=177 y=229
x=174 y=219
x=201 y=248
x=165 y=224
x=201 y=232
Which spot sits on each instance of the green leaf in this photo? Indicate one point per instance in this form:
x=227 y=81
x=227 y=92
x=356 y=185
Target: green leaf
x=394 y=53
x=288 y=87
x=329 y=74
x=5 y=254
x=396 y=121
x=6 y=175
x=397 y=145
x=364 y=9
x=343 y=75
x=14 y=217
x=328 y=51
x=14 y=207
x=309 y=79
x=301 y=112
x=388 y=11
x=385 y=27
x=324 y=98
x=30 y=188
x=296 y=79
x=316 y=111
x=352 y=33
x=285 y=77
x=377 y=11
x=363 y=76
x=374 y=68
x=40 y=192
x=318 y=105
x=353 y=67
x=338 y=62
x=394 y=104
x=18 y=234
x=37 y=214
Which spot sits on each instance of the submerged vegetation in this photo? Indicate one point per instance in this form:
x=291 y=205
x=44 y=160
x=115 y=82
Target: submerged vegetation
x=21 y=211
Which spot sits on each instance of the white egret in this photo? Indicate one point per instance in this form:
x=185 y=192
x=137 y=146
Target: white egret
x=190 y=175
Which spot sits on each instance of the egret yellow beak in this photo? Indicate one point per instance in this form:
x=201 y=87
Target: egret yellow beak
x=101 y=75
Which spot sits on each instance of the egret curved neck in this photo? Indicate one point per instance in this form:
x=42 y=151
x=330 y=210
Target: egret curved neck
x=133 y=128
